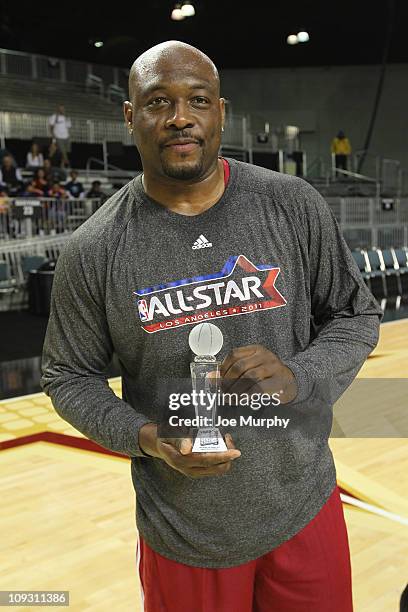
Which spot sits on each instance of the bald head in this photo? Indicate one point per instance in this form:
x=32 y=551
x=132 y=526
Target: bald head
x=175 y=112
x=172 y=58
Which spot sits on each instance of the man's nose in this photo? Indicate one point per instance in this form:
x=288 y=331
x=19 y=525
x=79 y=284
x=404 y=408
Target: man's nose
x=179 y=116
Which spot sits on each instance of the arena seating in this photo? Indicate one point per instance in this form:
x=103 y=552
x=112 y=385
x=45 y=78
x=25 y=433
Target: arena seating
x=385 y=271
x=42 y=98
x=17 y=258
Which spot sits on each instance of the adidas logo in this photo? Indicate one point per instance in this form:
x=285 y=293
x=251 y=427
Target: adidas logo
x=201 y=243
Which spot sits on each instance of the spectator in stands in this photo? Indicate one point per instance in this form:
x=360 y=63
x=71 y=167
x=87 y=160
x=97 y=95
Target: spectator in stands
x=342 y=150
x=48 y=171
x=59 y=126
x=39 y=185
x=11 y=180
x=3 y=153
x=54 y=154
x=35 y=158
x=74 y=187
x=57 y=207
x=96 y=192
x=57 y=191
x=51 y=173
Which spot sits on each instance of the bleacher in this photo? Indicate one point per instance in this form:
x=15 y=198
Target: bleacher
x=43 y=97
x=344 y=188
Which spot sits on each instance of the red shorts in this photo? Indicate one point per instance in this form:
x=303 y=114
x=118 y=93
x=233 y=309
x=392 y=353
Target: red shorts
x=308 y=573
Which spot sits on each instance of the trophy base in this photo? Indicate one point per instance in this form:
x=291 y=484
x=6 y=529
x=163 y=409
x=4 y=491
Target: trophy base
x=209 y=440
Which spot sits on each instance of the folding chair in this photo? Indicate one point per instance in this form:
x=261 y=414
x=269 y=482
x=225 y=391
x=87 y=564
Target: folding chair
x=361 y=261
x=392 y=277
x=377 y=275
x=8 y=285
x=30 y=263
x=401 y=256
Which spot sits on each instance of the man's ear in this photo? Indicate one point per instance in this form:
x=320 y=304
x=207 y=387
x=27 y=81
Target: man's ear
x=128 y=112
x=222 y=109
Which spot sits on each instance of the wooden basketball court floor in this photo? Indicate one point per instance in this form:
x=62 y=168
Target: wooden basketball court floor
x=67 y=506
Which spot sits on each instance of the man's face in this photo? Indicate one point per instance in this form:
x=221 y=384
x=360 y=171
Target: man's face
x=177 y=116
x=7 y=161
x=61 y=110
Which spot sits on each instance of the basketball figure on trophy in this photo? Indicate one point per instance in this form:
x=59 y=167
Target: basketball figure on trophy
x=206 y=341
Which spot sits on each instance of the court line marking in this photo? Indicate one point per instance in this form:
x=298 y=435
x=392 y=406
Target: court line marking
x=373 y=509
x=368 y=490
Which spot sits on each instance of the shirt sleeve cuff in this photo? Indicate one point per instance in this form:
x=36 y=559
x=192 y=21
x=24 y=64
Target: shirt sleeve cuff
x=303 y=382
x=135 y=449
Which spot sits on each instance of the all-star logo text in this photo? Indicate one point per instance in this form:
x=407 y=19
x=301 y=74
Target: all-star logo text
x=239 y=288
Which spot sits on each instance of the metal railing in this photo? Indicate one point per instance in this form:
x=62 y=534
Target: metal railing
x=42 y=67
x=359 y=177
x=27 y=126
x=25 y=217
x=390 y=173
x=385 y=172
x=364 y=221
x=236 y=139
x=372 y=163
x=14 y=252
x=108 y=169
x=402 y=183
x=372 y=222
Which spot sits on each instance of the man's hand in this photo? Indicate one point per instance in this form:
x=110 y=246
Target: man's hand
x=176 y=452
x=254 y=369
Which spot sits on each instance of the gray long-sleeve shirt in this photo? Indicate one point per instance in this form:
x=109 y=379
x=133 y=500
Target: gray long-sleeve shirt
x=130 y=281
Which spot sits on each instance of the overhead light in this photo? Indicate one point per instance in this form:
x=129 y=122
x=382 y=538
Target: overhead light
x=303 y=36
x=177 y=13
x=188 y=9
x=98 y=43
x=292 y=39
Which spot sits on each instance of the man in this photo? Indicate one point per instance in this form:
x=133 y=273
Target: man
x=96 y=191
x=341 y=148
x=11 y=179
x=260 y=525
x=59 y=126
x=74 y=186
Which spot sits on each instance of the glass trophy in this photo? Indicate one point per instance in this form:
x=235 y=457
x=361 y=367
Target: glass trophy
x=206 y=341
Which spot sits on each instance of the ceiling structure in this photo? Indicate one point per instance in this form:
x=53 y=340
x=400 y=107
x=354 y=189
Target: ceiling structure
x=235 y=34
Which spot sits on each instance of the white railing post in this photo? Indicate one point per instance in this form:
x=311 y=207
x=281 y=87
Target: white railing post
x=105 y=155
x=333 y=166
x=3 y=63
x=91 y=131
x=281 y=165
x=244 y=132
x=63 y=71
x=378 y=168
x=34 y=68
